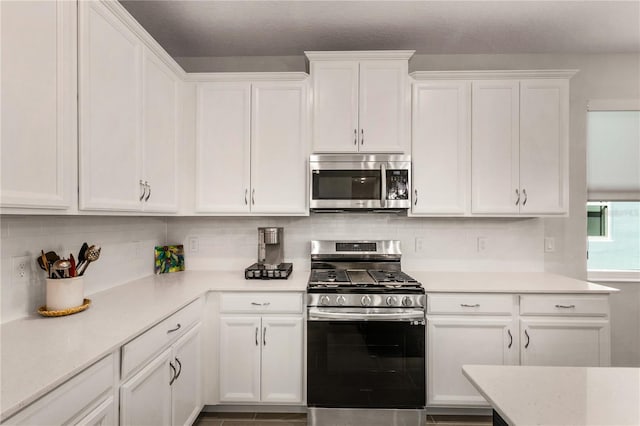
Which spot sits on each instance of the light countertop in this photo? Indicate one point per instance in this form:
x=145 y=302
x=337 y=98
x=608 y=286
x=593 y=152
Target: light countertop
x=38 y=353
x=525 y=395
x=504 y=282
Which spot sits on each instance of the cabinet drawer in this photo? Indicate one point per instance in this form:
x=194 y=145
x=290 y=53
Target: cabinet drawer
x=143 y=347
x=470 y=303
x=564 y=304
x=64 y=404
x=261 y=302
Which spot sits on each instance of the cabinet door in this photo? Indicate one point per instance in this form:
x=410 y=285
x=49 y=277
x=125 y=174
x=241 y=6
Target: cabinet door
x=159 y=135
x=222 y=147
x=455 y=341
x=335 y=106
x=441 y=147
x=495 y=147
x=544 y=142
x=38 y=148
x=145 y=399
x=384 y=106
x=282 y=342
x=279 y=148
x=109 y=111
x=102 y=415
x=239 y=359
x=187 y=388
x=579 y=342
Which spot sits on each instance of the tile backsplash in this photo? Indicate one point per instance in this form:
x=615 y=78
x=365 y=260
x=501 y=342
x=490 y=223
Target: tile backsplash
x=436 y=244
x=127 y=253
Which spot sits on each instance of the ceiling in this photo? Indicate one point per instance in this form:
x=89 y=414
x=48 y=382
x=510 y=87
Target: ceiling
x=187 y=28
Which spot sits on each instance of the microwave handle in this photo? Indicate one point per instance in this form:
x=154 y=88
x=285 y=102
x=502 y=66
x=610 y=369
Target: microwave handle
x=383 y=178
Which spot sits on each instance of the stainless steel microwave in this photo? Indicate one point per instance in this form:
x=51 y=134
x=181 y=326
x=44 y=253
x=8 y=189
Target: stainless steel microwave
x=360 y=182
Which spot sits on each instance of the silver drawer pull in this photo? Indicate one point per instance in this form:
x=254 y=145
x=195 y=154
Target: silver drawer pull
x=260 y=304
x=174 y=329
x=566 y=306
x=464 y=305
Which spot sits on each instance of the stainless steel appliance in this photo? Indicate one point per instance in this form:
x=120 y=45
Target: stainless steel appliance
x=365 y=336
x=357 y=182
x=270 y=256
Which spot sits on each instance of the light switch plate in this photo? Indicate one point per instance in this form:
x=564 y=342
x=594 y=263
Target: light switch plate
x=549 y=244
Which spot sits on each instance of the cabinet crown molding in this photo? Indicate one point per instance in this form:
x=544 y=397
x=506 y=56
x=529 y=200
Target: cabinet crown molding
x=245 y=76
x=359 y=55
x=492 y=74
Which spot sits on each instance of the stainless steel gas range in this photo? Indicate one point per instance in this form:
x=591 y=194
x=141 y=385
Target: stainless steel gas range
x=366 y=336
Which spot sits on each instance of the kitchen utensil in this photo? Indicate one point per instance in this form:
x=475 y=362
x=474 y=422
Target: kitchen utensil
x=82 y=254
x=92 y=254
x=62 y=265
x=42 y=262
x=51 y=257
x=72 y=271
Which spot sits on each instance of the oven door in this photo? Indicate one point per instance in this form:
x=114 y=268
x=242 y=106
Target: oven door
x=375 y=360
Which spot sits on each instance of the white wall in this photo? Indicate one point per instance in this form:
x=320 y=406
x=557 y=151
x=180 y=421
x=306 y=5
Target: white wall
x=127 y=253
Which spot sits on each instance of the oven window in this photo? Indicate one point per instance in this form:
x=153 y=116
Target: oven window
x=346 y=185
x=365 y=364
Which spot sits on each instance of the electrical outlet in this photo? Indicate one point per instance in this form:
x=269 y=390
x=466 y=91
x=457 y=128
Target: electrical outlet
x=419 y=245
x=21 y=269
x=549 y=244
x=483 y=243
x=194 y=244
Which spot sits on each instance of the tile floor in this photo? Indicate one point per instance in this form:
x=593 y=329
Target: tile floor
x=296 y=419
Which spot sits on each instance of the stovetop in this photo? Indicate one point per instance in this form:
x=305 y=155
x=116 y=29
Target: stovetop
x=362 y=281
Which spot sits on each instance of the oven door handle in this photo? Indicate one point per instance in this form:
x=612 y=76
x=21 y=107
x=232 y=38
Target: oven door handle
x=317 y=314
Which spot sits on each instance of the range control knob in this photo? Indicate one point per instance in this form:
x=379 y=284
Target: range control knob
x=324 y=300
x=392 y=300
x=407 y=301
x=341 y=300
x=366 y=301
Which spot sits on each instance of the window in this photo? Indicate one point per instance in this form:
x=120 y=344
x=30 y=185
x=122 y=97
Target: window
x=613 y=235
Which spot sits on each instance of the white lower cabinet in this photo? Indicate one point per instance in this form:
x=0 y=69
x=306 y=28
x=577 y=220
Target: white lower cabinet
x=167 y=390
x=261 y=349
x=85 y=399
x=501 y=329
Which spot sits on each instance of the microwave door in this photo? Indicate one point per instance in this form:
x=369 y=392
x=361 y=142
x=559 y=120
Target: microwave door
x=347 y=188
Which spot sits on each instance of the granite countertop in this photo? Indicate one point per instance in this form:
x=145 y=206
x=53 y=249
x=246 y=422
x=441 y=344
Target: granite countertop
x=38 y=353
x=526 y=395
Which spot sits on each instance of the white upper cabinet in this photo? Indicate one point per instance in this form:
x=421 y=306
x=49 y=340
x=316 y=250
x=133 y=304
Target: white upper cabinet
x=38 y=141
x=441 y=147
x=127 y=114
x=252 y=146
x=159 y=93
x=544 y=147
x=495 y=147
x=520 y=137
x=223 y=147
x=361 y=101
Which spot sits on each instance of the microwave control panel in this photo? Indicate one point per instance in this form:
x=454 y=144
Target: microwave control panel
x=397 y=184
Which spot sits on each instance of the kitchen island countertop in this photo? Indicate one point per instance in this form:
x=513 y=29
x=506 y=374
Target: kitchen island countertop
x=38 y=354
x=527 y=395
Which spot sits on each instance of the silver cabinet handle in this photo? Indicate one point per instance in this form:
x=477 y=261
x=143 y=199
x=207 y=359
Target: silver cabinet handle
x=246 y=192
x=464 y=305
x=355 y=136
x=566 y=306
x=253 y=196
x=260 y=304
x=415 y=202
x=173 y=373
x=149 y=194
x=524 y=192
x=179 y=367
x=174 y=329
x=264 y=337
x=510 y=339
x=257 y=337
x=144 y=189
x=518 y=194
x=361 y=136
x=528 y=339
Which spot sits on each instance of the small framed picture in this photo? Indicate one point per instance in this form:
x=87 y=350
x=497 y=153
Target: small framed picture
x=169 y=259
